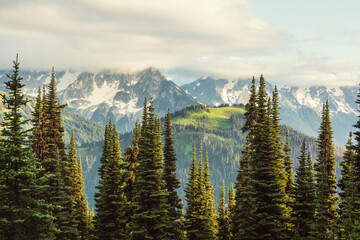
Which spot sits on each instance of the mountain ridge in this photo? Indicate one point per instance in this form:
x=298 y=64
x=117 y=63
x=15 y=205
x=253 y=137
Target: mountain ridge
x=300 y=107
x=99 y=96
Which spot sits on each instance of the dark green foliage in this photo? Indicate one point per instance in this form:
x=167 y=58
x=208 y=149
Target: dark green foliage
x=38 y=142
x=209 y=191
x=191 y=211
x=56 y=162
x=288 y=165
x=242 y=227
x=130 y=163
x=349 y=220
x=150 y=218
x=289 y=181
x=266 y=165
x=171 y=181
x=22 y=214
x=241 y=219
x=304 y=197
x=111 y=205
x=250 y=107
x=197 y=218
x=223 y=223
x=326 y=199
x=230 y=211
x=77 y=185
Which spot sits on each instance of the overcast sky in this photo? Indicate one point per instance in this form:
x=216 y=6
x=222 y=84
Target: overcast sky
x=290 y=42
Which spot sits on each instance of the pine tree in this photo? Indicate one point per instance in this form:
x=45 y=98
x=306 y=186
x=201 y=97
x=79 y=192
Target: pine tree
x=56 y=162
x=130 y=163
x=204 y=198
x=38 y=142
x=150 y=214
x=267 y=172
x=224 y=230
x=110 y=220
x=54 y=131
x=289 y=181
x=250 y=107
x=198 y=218
x=22 y=214
x=241 y=227
x=304 y=197
x=191 y=216
x=230 y=211
x=288 y=165
x=349 y=220
x=172 y=183
x=326 y=200
x=90 y=224
x=209 y=190
x=75 y=169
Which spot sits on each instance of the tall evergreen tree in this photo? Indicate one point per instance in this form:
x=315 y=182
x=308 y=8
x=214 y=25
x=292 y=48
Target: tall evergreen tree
x=267 y=172
x=230 y=211
x=224 y=230
x=289 y=181
x=198 y=222
x=55 y=144
x=326 y=199
x=288 y=165
x=241 y=227
x=191 y=216
x=150 y=214
x=56 y=162
x=75 y=169
x=209 y=191
x=130 y=163
x=304 y=197
x=110 y=220
x=250 y=107
x=172 y=183
x=22 y=214
x=349 y=220
x=203 y=197
x=38 y=141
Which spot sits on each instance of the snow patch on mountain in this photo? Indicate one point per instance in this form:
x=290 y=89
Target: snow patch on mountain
x=101 y=94
x=68 y=78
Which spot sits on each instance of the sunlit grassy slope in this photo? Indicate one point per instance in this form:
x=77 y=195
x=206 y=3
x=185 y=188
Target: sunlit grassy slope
x=210 y=118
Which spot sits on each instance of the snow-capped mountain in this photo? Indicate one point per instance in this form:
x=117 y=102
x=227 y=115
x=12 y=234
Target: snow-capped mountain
x=300 y=107
x=103 y=95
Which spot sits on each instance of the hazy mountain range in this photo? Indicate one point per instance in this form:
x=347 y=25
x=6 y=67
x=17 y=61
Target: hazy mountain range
x=101 y=95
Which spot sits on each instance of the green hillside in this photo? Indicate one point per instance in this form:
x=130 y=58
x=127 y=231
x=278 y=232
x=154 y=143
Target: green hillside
x=220 y=131
x=207 y=117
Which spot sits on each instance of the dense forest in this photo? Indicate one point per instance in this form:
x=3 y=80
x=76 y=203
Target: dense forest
x=42 y=186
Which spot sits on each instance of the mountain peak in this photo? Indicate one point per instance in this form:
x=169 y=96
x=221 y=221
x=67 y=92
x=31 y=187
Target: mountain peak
x=151 y=70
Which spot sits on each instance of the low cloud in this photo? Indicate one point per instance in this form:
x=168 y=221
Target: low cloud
x=131 y=34
x=186 y=39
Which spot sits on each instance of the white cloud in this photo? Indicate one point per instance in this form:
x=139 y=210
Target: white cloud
x=131 y=34
x=186 y=39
